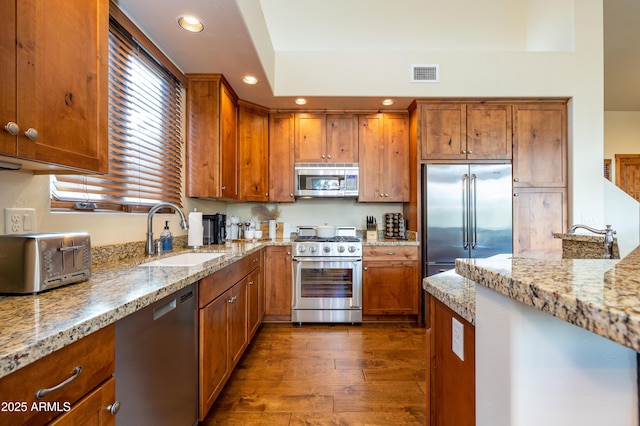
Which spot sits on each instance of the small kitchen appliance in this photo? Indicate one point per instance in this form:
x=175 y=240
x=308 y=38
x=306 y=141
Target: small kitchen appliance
x=326 y=180
x=33 y=263
x=327 y=277
x=215 y=231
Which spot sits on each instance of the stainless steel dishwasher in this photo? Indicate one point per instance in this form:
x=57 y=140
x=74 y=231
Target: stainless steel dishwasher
x=156 y=363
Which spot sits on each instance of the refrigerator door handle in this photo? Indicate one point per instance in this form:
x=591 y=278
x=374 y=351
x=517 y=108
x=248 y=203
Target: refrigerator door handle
x=465 y=211
x=473 y=211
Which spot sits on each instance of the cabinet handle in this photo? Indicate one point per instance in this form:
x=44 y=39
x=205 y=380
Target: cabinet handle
x=329 y=156
x=464 y=151
x=366 y=268
x=31 y=134
x=76 y=372
x=381 y=194
x=323 y=156
x=266 y=194
x=12 y=128
x=288 y=253
x=516 y=180
x=516 y=194
x=223 y=188
x=114 y=408
x=250 y=282
x=386 y=195
x=254 y=260
x=291 y=195
x=470 y=152
x=390 y=253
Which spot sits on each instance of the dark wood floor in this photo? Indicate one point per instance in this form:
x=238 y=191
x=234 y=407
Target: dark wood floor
x=328 y=374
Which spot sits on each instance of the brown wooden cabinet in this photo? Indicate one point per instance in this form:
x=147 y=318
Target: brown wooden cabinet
x=97 y=408
x=53 y=90
x=212 y=143
x=342 y=138
x=253 y=152
x=451 y=379
x=95 y=354
x=323 y=138
x=537 y=214
x=278 y=284
x=281 y=158
x=383 y=143
x=228 y=316
x=390 y=280
x=461 y=131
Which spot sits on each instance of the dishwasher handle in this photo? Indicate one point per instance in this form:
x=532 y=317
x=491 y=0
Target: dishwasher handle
x=163 y=310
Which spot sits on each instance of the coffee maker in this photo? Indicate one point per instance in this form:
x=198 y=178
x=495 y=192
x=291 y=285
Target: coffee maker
x=214 y=228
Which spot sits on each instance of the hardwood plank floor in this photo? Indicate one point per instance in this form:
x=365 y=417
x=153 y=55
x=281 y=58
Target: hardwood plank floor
x=373 y=374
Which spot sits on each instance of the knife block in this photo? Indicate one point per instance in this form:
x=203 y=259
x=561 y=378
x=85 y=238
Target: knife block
x=372 y=236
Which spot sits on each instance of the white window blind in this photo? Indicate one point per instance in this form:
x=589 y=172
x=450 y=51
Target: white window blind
x=145 y=136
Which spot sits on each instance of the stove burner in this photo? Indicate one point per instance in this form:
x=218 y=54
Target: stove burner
x=336 y=239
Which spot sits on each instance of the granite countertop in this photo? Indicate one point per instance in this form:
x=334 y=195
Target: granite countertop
x=456 y=292
x=599 y=295
x=33 y=326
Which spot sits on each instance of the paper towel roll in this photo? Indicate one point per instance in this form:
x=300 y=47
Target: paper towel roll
x=195 y=236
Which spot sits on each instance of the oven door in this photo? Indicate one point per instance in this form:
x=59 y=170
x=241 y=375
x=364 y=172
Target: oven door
x=327 y=284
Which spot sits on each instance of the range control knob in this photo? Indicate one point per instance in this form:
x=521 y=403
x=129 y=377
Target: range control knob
x=302 y=249
x=327 y=249
x=313 y=249
x=352 y=249
x=341 y=249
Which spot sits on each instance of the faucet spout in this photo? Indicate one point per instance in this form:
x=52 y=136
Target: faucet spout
x=150 y=249
x=608 y=233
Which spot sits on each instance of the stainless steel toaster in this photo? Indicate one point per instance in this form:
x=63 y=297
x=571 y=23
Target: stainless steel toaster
x=32 y=263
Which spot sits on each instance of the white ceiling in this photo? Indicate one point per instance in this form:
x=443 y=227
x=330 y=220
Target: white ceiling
x=226 y=45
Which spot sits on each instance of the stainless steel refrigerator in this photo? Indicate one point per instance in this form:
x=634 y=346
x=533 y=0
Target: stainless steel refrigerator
x=467 y=213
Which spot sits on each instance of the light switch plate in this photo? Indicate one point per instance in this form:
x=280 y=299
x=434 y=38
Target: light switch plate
x=19 y=220
x=457 y=338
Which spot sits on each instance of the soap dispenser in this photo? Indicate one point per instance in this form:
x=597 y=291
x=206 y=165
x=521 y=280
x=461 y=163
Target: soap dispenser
x=166 y=238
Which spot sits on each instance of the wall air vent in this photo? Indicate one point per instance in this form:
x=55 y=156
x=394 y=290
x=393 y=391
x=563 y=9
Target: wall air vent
x=425 y=73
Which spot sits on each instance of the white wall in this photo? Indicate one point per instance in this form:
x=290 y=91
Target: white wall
x=621 y=135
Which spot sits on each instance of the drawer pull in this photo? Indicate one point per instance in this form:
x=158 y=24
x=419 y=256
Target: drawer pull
x=114 y=408
x=76 y=372
x=390 y=253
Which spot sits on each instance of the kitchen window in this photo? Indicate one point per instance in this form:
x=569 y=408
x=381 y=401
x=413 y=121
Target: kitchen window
x=145 y=131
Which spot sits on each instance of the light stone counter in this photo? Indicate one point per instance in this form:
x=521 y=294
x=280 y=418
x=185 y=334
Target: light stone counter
x=456 y=292
x=32 y=326
x=601 y=296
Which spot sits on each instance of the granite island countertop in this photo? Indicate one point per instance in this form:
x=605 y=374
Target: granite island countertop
x=456 y=292
x=602 y=296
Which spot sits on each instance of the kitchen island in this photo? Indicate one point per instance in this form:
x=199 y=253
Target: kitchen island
x=556 y=339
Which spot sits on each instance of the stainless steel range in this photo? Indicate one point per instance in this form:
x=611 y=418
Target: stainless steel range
x=327 y=278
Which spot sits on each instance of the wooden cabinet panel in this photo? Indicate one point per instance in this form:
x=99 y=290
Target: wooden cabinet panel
x=253 y=154
x=229 y=143
x=370 y=148
x=540 y=145
x=55 y=56
x=255 y=302
x=238 y=321
x=95 y=354
x=537 y=214
x=310 y=139
x=93 y=409
x=281 y=158
x=451 y=380
x=443 y=131
x=278 y=283
x=489 y=132
x=342 y=138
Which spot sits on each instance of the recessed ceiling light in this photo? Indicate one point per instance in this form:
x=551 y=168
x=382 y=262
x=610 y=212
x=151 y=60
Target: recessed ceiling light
x=388 y=102
x=249 y=79
x=301 y=101
x=191 y=24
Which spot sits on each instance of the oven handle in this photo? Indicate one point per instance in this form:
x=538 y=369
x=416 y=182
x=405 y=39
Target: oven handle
x=327 y=259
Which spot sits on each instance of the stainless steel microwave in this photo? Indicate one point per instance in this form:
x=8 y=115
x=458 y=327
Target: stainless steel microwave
x=329 y=180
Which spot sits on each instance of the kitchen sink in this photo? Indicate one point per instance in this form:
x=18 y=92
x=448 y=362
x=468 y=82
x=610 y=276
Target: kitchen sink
x=185 y=259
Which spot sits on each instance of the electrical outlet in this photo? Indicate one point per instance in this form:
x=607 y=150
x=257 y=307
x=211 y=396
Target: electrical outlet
x=457 y=338
x=19 y=221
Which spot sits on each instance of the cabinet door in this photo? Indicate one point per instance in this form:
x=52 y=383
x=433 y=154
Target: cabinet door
x=310 y=140
x=255 y=304
x=214 y=350
x=342 y=138
x=489 y=132
x=228 y=143
x=537 y=214
x=254 y=154
x=92 y=409
x=540 y=145
x=60 y=83
x=278 y=272
x=8 y=82
x=370 y=136
x=238 y=320
x=443 y=131
x=395 y=159
x=390 y=288
x=281 y=141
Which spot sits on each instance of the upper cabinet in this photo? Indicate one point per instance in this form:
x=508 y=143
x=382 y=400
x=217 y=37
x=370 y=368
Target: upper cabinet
x=459 y=131
x=212 y=143
x=253 y=152
x=53 y=90
x=323 y=138
x=281 y=140
x=384 y=158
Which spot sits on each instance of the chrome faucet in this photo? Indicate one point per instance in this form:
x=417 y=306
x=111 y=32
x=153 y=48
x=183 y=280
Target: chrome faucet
x=150 y=249
x=608 y=233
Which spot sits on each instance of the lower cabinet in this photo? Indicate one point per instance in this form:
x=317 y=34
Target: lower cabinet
x=452 y=380
x=278 y=284
x=390 y=280
x=74 y=384
x=537 y=214
x=230 y=311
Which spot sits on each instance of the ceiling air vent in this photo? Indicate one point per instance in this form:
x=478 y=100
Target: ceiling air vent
x=425 y=73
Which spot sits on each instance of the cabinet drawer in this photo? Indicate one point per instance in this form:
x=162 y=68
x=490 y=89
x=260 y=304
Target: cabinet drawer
x=212 y=286
x=93 y=355
x=390 y=253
